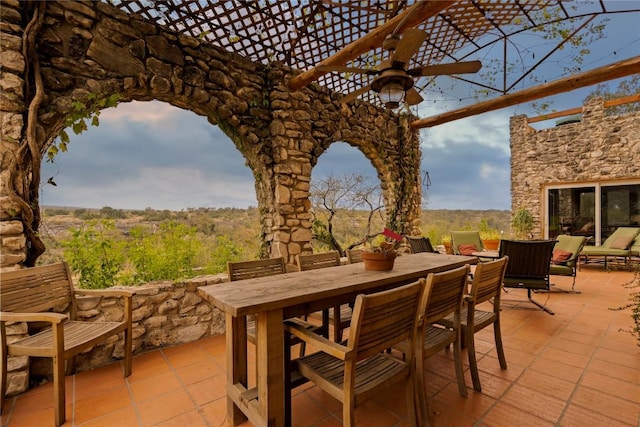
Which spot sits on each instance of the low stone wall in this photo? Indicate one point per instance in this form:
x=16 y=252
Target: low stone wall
x=164 y=314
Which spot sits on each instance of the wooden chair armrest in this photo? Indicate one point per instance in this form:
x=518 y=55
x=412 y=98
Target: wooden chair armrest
x=318 y=341
x=6 y=316
x=118 y=293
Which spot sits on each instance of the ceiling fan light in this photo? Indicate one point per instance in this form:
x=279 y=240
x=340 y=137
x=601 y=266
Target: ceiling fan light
x=391 y=94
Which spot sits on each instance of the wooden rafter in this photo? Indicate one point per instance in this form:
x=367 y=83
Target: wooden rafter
x=608 y=72
x=419 y=13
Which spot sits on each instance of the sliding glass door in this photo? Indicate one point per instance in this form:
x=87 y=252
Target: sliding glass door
x=594 y=210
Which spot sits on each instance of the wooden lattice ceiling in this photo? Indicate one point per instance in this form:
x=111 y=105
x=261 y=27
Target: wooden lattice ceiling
x=303 y=33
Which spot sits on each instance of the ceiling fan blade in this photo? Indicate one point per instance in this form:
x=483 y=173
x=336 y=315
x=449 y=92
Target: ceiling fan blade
x=345 y=69
x=409 y=44
x=442 y=69
x=353 y=95
x=413 y=97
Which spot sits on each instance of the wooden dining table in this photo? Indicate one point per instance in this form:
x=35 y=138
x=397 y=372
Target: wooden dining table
x=273 y=299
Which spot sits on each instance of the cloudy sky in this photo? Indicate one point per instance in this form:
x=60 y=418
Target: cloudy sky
x=150 y=154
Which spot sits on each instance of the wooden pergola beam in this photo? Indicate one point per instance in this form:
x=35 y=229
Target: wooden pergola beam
x=411 y=17
x=613 y=71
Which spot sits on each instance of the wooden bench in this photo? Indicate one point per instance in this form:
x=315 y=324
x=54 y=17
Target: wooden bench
x=30 y=295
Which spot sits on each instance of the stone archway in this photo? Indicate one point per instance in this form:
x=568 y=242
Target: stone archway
x=89 y=50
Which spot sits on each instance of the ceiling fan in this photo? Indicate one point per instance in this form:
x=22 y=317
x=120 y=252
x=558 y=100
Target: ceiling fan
x=393 y=81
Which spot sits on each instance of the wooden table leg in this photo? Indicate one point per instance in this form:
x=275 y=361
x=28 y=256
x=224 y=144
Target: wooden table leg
x=236 y=337
x=270 y=362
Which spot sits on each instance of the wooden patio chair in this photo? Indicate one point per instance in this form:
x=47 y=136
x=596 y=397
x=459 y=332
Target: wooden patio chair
x=443 y=298
x=354 y=255
x=486 y=286
x=355 y=371
x=420 y=244
x=240 y=270
x=529 y=265
x=34 y=295
x=344 y=312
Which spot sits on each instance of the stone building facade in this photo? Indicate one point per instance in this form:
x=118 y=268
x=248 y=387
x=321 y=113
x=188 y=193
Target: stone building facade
x=599 y=149
x=57 y=54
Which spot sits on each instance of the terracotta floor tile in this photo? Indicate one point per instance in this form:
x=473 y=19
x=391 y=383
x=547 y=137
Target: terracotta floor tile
x=474 y=405
x=185 y=354
x=189 y=419
x=557 y=369
x=122 y=418
x=164 y=407
x=552 y=385
x=148 y=365
x=613 y=386
x=614 y=370
x=100 y=404
x=629 y=360
x=154 y=386
x=208 y=390
x=572 y=359
x=215 y=413
x=306 y=411
x=199 y=371
x=503 y=415
x=537 y=403
x=97 y=380
x=491 y=365
x=607 y=405
x=576 y=416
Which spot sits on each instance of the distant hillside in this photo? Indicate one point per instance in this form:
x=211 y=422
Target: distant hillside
x=242 y=225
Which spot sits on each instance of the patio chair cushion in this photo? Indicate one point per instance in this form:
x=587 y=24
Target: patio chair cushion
x=606 y=248
x=622 y=242
x=560 y=256
x=467 y=249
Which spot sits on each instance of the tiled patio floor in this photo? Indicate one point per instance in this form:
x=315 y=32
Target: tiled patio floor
x=571 y=369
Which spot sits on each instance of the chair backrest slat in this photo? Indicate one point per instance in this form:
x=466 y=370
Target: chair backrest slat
x=383 y=319
x=354 y=255
x=240 y=270
x=315 y=261
x=36 y=289
x=419 y=244
x=487 y=281
x=447 y=289
x=528 y=259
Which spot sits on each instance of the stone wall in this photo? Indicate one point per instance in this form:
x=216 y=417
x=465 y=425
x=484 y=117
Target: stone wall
x=598 y=148
x=92 y=49
x=164 y=314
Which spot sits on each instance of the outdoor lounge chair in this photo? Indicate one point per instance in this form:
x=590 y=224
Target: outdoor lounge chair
x=618 y=245
x=528 y=267
x=565 y=257
x=465 y=242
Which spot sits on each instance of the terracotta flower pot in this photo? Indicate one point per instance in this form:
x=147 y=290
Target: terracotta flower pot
x=491 y=244
x=378 y=261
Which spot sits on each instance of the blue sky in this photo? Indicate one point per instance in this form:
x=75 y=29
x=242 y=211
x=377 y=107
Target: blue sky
x=153 y=155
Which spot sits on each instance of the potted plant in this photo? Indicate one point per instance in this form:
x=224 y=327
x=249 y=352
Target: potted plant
x=522 y=223
x=379 y=258
x=490 y=239
x=446 y=242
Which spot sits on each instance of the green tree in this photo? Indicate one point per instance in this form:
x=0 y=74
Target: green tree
x=95 y=253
